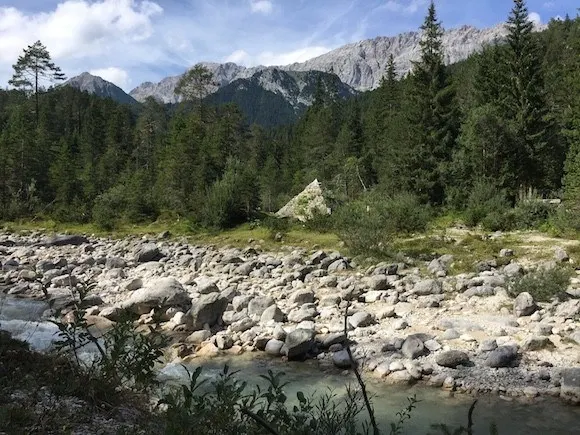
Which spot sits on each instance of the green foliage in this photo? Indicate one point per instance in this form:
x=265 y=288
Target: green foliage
x=232 y=199
x=487 y=206
x=106 y=209
x=226 y=407
x=276 y=225
x=508 y=115
x=532 y=213
x=543 y=284
x=368 y=224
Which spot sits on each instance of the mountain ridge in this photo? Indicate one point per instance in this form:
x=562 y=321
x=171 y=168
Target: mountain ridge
x=359 y=64
x=96 y=85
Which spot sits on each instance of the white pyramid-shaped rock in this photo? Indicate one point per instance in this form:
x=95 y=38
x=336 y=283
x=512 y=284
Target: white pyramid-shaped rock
x=306 y=204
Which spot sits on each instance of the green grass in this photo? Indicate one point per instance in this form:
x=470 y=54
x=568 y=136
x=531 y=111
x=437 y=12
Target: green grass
x=297 y=236
x=467 y=246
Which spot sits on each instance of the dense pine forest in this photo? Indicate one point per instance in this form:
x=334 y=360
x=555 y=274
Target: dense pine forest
x=475 y=137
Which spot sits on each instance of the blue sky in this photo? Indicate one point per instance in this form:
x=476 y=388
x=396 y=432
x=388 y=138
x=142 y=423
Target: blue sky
x=131 y=41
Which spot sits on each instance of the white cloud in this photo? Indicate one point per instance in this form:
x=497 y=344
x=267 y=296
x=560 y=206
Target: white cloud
x=299 y=55
x=241 y=57
x=408 y=7
x=261 y=6
x=78 y=32
x=535 y=18
x=549 y=5
x=115 y=75
x=271 y=58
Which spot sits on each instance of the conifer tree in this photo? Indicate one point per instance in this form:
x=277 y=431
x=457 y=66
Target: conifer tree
x=434 y=115
x=195 y=85
x=524 y=104
x=32 y=68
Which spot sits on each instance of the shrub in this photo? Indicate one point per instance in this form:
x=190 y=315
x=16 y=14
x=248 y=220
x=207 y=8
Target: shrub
x=406 y=214
x=232 y=199
x=107 y=208
x=362 y=226
x=368 y=224
x=543 y=284
x=563 y=221
x=276 y=225
x=488 y=206
x=531 y=213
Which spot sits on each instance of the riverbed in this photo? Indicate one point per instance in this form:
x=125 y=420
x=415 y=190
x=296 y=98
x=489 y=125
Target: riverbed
x=512 y=416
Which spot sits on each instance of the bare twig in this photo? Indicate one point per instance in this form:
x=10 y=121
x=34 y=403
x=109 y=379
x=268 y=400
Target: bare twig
x=259 y=420
x=470 y=418
x=358 y=375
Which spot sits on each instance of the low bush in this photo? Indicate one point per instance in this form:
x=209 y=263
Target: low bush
x=531 y=214
x=368 y=224
x=489 y=207
x=543 y=284
x=563 y=221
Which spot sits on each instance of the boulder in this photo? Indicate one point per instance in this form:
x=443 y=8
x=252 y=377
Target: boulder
x=537 y=343
x=163 y=292
x=298 y=343
x=524 y=305
x=242 y=325
x=305 y=312
x=307 y=204
x=428 y=287
x=147 y=252
x=208 y=309
x=379 y=282
x=272 y=313
x=257 y=306
x=198 y=337
x=513 y=270
x=273 y=347
x=561 y=255
x=570 y=385
x=205 y=285
x=361 y=319
x=413 y=348
x=115 y=263
x=63 y=240
x=302 y=296
x=341 y=359
x=333 y=338
x=224 y=342
x=503 y=356
x=452 y=358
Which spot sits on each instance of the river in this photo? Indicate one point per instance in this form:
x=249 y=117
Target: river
x=512 y=417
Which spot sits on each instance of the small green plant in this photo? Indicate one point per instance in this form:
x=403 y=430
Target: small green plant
x=531 y=213
x=487 y=206
x=276 y=225
x=227 y=407
x=125 y=357
x=543 y=284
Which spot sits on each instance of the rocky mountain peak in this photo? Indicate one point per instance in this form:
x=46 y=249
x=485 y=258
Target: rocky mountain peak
x=360 y=65
x=92 y=84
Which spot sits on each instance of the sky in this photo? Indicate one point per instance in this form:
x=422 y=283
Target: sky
x=131 y=41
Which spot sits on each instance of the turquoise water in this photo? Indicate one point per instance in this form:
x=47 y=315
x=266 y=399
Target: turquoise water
x=540 y=417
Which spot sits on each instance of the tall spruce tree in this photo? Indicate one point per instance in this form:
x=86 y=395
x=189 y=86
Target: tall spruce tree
x=32 y=68
x=524 y=104
x=434 y=115
x=571 y=112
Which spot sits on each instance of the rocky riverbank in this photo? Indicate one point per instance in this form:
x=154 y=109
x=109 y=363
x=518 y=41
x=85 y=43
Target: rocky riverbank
x=408 y=322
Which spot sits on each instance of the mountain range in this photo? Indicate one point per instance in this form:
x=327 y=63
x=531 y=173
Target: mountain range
x=290 y=88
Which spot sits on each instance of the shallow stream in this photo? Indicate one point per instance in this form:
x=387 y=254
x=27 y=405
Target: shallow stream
x=513 y=417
